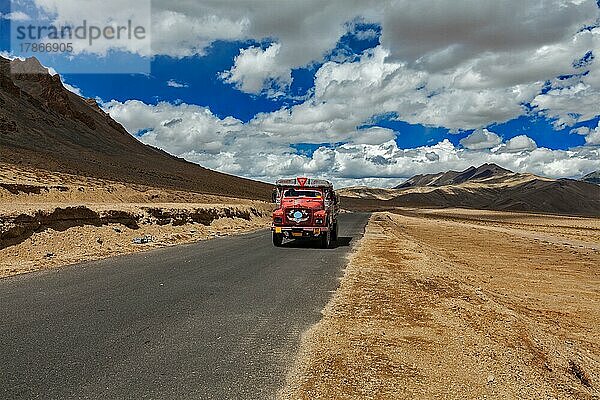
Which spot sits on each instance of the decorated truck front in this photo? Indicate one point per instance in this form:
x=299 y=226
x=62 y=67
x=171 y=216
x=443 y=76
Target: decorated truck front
x=306 y=209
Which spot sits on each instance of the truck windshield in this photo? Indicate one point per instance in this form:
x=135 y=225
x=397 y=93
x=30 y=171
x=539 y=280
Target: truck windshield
x=302 y=193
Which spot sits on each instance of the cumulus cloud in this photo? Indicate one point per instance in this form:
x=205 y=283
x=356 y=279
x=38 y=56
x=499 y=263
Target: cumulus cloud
x=386 y=164
x=373 y=135
x=440 y=35
x=481 y=139
x=576 y=98
x=430 y=35
x=491 y=88
x=367 y=34
x=432 y=156
x=176 y=129
x=592 y=136
x=98 y=13
x=348 y=94
x=256 y=69
x=307 y=29
x=518 y=144
x=228 y=145
x=461 y=65
x=178 y=32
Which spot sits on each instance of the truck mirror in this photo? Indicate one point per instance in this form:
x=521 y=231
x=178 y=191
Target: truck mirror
x=274 y=196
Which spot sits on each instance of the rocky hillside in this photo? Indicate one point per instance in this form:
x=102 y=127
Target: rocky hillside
x=488 y=187
x=594 y=177
x=43 y=125
x=487 y=172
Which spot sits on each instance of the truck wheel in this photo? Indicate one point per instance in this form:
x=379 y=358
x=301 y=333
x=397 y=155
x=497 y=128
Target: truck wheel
x=334 y=233
x=326 y=240
x=277 y=239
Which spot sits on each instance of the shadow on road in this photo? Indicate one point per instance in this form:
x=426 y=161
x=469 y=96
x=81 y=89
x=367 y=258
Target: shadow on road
x=314 y=244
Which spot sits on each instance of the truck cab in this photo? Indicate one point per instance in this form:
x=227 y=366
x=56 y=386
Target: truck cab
x=306 y=209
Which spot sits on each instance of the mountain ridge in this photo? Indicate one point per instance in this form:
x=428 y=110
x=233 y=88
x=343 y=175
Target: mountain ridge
x=43 y=125
x=593 y=177
x=485 y=171
x=488 y=187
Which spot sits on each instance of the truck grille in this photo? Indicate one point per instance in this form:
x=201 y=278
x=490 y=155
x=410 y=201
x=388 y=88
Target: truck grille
x=298 y=216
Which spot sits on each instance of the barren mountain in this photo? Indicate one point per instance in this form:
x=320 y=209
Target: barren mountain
x=43 y=125
x=367 y=193
x=487 y=172
x=488 y=187
x=594 y=177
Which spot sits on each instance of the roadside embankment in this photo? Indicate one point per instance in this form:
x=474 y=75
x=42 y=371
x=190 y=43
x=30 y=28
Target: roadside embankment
x=46 y=238
x=49 y=219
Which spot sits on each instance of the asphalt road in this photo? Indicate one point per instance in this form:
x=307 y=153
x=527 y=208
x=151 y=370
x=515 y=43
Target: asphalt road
x=219 y=319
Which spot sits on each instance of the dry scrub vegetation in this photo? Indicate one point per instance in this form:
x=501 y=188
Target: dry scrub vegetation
x=462 y=305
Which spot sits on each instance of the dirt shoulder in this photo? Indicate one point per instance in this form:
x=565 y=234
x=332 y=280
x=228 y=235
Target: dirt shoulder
x=49 y=219
x=436 y=307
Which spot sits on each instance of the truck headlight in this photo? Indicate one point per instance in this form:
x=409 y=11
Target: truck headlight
x=278 y=220
x=319 y=221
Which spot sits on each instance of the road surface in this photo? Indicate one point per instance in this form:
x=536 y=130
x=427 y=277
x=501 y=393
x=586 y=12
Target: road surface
x=219 y=319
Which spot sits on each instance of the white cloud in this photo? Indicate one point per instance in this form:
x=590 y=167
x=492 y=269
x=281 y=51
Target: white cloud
x=176 y=129
x=441 y=35
x=7 y=55
x=592 y=136
x=368 y=34
x=180 y=32
x=349 y=94
x=583 y=130
x=518 y=144
x=17 y=16
x=228 y=145
x=428 y=35
x=73 y=89
x=99 y=14
x=174 y=84
x=576 y=99
x=307 y=29
x=481 y=139
x=462 y=65
x=256 y=69
x=374 y=135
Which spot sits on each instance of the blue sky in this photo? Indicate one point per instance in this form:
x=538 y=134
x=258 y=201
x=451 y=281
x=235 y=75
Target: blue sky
x=260 y=88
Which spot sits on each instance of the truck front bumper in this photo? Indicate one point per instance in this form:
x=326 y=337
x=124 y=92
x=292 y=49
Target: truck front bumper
x=300 y=232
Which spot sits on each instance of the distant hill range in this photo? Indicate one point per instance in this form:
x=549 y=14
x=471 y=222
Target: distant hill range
x=488 y=187
x=43 y=125
x=594 y=177
x=488 y=173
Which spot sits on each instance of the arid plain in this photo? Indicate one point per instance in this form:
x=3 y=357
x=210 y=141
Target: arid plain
x=461 y=304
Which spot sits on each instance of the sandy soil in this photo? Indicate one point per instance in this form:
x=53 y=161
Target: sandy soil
x=27 y=193
x=51 y=248
x=461 y=305
x=19 y=186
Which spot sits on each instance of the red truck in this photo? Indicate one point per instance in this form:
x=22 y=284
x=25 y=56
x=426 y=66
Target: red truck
x=306 y=209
